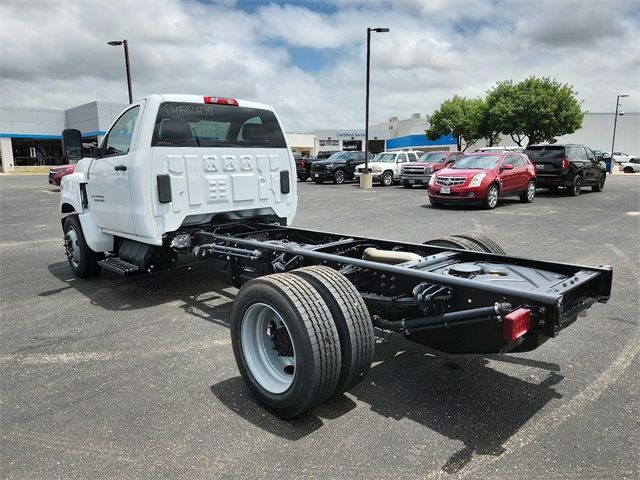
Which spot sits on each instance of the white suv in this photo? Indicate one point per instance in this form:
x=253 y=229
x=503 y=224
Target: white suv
x=386 y=166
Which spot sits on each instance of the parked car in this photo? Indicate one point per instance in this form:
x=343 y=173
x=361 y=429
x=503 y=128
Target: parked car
x=419 y=173
x=570 y=166
x=303 y=166
x=631 y=166
x=484 y=178
x=620 y=157
x=56 y=173
x=338 y=168
x=385 y=166
x=599 y=155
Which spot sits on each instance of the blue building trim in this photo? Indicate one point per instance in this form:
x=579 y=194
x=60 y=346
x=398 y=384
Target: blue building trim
x=29 y=135
x=420 y=141
x=48 y=137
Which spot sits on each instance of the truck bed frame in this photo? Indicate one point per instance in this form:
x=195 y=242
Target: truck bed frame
x=450 y=299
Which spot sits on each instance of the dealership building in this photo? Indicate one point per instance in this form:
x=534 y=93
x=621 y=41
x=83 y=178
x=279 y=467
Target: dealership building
x=31 y=136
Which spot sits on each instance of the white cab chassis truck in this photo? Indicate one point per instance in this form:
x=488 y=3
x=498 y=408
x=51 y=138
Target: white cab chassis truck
x=182 y=177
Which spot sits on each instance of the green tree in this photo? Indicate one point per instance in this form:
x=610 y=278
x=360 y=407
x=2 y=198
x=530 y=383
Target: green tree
x=459 y=116
x=536 y=109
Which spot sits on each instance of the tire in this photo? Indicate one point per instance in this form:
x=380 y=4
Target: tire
x=387 y=179
x=455 y=242
x=491 y=200
x=600 y=185
x=82 y=260
x=306 y=369
x=352 y=321
x=339 y=177
x=574 y=189
x=483 y=242
x=628 y=170
x=529 y=194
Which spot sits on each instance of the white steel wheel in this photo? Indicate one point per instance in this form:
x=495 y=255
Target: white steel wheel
x=72 y=247
x=285 y=343
x=267 y=348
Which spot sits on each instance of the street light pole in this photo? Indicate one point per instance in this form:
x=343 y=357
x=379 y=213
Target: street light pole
x=126 y=62
x=615 y=123
x=366 y=177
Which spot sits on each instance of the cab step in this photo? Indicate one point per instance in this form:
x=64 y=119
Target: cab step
x=122 y=267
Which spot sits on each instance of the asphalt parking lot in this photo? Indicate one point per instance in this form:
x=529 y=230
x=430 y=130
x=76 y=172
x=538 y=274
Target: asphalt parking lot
x=135 y=378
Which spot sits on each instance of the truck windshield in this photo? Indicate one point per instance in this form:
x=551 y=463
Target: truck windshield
x=202 y=125
x=337 y=156
x=433 y=157
x=384 y=157
x=482 y=162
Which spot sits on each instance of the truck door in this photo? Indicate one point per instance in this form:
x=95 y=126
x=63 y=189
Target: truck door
x=108 y=184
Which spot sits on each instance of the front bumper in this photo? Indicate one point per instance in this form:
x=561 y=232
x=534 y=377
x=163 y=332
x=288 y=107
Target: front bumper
x=458 y=194
x=415 y=179
x=375 y=176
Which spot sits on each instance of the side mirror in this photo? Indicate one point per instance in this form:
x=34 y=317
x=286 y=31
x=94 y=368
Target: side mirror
x=72 y=144
x=507 y=166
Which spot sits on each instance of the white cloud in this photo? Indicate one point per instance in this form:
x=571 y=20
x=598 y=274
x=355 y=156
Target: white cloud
x=54 y=54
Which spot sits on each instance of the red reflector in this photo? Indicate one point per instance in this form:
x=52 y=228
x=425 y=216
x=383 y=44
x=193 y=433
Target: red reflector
x=565 y=164
x=302 y=164
x=221 y=101
x=516 y=323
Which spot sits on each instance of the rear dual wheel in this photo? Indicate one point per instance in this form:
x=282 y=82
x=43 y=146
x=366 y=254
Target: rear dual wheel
x=300 y=337
x=467 y=241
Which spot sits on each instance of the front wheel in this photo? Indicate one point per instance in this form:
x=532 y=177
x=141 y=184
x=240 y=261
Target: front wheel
x=285 y=343
x=387 y=179
x=491 y=199
x=82 y=260
x=628 y=170
x=339 y=177
x=574 y=189
x=529 y=194
x=600 y=186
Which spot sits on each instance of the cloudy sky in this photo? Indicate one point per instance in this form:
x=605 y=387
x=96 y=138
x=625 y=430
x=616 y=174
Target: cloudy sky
x=307 y=58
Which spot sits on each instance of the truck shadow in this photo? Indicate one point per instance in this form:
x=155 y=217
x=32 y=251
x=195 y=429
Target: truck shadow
x=466 y=398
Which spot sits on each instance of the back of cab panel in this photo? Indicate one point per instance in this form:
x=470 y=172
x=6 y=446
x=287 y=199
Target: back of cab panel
x=219 y=159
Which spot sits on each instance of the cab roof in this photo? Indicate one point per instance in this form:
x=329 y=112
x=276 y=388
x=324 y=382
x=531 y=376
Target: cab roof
x=173 y=97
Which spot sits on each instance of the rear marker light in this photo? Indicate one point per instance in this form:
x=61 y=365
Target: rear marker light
x=516 y=323
x=221 y=101
x=565 y=164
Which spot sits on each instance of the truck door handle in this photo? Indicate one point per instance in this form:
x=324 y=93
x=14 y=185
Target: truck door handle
x=120 y=168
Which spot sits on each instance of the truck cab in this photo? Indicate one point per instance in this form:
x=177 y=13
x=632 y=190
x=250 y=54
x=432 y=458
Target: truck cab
x=174 y=160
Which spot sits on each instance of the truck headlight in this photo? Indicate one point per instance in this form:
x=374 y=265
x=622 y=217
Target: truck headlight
x=477 y=180
x=432 y=180
x=376 y=169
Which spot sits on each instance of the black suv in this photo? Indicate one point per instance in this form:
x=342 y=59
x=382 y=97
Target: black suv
x=569 y=166
x=339 y=167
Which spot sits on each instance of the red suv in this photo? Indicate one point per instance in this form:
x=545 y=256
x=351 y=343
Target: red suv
x=483 y=178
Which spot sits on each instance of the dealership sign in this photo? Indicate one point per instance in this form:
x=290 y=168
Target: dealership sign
x=350 y=134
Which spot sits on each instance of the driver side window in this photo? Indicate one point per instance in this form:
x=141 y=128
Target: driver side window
x=118 y=140
x=401 y=158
